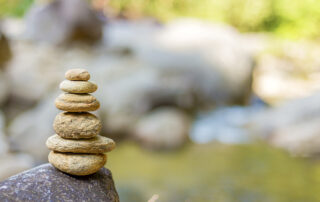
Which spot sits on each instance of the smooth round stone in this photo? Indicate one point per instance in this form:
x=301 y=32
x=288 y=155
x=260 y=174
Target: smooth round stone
x=77 y=75
x=78 y=86
x=74 y=125
x=77 y=102
x=94 y=145
x=77 y=164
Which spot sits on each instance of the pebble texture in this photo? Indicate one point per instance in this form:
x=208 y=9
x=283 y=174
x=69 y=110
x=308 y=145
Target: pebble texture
x=45 y=183
x=76 y=125
x=77 y=102
x=77 y=164
x=77 y=75
x=78 y=86
x=95 y=145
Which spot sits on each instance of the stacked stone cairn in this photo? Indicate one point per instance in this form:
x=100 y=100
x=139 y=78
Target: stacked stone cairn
x=77 y=149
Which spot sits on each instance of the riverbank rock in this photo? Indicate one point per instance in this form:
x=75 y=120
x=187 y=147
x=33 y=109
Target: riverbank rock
x=5 y=50
x=166 y=128
x=287 y=70
x=4 y=87
x=60 y=22
x=45 y=183
x=209 y=51
x=293 y=125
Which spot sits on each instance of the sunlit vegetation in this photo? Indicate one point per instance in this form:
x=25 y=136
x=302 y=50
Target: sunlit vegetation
x=286 y=18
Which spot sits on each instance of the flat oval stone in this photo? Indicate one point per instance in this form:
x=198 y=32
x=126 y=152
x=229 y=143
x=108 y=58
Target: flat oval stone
x=77 y=75
x=77 y=102
x=73 y=125
x=98 y=144
x=77 y=164
x=78 y=86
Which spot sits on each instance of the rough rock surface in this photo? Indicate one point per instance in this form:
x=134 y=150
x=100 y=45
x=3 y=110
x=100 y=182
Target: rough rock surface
x=77 y=164
x=77 y=102
x=78 y=86
x=76 y=126
x=98 y=144
x=45 y=183
x=77 y=75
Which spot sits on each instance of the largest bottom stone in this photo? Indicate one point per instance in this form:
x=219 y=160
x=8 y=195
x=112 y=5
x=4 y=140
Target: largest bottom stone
x=77 y=164
x=45 y=183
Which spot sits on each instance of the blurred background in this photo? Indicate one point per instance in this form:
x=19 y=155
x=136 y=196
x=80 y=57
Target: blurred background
x=211 y=100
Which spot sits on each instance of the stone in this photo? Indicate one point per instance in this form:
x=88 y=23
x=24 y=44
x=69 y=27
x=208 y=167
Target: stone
x=5 y=87
x=214 y=50
x=77 y=164
x=5 y=50
x=77 y=102
x=45 y=183
x=78 y=86
x=163 y=128
x=63 y=22
x=293 y=125
x=98 y=144
x=77 y=75
x=76 y=125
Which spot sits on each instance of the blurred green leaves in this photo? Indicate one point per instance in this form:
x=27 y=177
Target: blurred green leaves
x=14 y=7
x=286 y=18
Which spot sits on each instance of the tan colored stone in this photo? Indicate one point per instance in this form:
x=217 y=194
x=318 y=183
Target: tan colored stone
x=77 y=164
x=77 y=75
x=78 y=86
x=77 y=102
x=72 y=125
x=94 y=145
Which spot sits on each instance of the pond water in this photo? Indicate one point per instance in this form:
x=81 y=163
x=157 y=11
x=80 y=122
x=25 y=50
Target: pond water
x=214 y=172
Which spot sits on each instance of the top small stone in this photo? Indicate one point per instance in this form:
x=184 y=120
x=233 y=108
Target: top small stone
x=77 y=75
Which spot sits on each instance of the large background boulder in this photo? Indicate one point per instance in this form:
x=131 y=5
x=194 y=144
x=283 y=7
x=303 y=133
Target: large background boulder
x=294 y=125
x=164 y=128
x=62 y=21
x=5 y=51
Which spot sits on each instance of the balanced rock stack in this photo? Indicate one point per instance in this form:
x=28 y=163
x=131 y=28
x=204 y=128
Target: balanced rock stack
x=77 y=148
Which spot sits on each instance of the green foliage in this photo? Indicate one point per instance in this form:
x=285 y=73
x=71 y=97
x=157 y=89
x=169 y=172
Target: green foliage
x=214 y=172
x=14 y=7
x=287 y=18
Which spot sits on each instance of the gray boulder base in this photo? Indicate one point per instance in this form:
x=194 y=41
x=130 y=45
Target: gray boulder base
x=46 y=183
